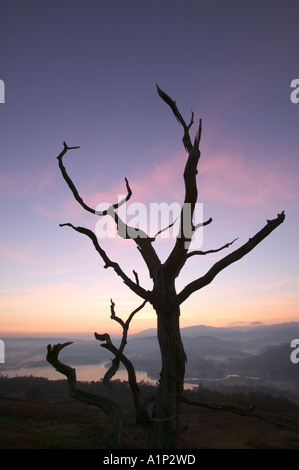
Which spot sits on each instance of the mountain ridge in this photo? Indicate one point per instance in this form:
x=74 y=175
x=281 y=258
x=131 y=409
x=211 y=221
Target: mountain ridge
x=242 y=331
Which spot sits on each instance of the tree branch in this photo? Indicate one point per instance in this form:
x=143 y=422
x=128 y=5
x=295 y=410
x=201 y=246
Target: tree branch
x=136 y=277
x=164 y=229
x=232 y=409
x=141 y=414
x=218 y=407
x=108 y=263
x=192 y=232
x=229 y=259
x=120 y=357
x=110 y=408
x=143 y=241
x=125 y=325
x=77 y=195
x=199 y=252
x=177 y=257
x=186 y=139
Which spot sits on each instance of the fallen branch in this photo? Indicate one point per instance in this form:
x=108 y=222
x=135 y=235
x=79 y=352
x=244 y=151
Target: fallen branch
x=213 y=406
x=232 y=409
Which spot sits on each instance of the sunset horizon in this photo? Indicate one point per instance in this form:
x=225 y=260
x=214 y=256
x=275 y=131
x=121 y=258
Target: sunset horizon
x=96 y=90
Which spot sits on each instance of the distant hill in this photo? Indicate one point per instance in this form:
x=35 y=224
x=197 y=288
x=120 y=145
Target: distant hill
x=192 y=331
x=275 y=333
x=199 y=340
x=274 y=364
x=256 y=356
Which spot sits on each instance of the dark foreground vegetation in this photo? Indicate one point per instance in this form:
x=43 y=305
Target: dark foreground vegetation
x=36 y=413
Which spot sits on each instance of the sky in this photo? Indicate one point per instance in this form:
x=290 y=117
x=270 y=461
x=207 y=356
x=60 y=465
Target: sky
x=85 y=72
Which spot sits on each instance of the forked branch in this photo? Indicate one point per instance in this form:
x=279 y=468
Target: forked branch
x=186 y=139
x=177 y=257
x=109 y=263
x=110 y=408
x=143 y=241
x=141 y=415
x=125 y=326
x=231 y=258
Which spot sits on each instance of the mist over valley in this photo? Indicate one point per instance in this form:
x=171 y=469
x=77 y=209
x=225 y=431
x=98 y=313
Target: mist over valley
x=256 y=358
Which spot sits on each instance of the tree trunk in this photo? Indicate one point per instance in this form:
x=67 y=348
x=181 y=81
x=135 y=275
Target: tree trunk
x=165 y=423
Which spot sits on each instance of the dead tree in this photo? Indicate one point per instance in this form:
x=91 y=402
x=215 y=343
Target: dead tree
x=163 y=423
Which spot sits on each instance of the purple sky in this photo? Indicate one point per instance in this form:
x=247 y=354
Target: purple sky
x=85 y=72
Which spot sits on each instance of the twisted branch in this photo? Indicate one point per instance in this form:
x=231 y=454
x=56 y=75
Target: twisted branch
x=143 y=241
x=75 y=191
x=125 y=326
x=110 y=408
x=141 y=412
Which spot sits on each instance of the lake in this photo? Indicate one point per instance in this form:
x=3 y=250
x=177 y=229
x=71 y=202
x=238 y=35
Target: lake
x=85 y=373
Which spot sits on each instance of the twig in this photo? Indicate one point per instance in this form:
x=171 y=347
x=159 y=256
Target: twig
x=198 y=252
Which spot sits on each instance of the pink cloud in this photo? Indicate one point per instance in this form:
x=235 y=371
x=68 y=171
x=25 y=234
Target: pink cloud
x=226 y=178
x=15 y=253
x=45 y=180
x=230 y=179
x=64 y=210
x=159 y=182
x=15 y=184
x=163 y=182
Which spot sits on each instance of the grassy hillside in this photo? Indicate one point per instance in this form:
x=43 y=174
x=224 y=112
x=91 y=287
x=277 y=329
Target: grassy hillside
x=38 y=414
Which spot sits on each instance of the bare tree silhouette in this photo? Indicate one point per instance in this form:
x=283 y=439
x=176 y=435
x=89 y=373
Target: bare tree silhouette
x=162 y=423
